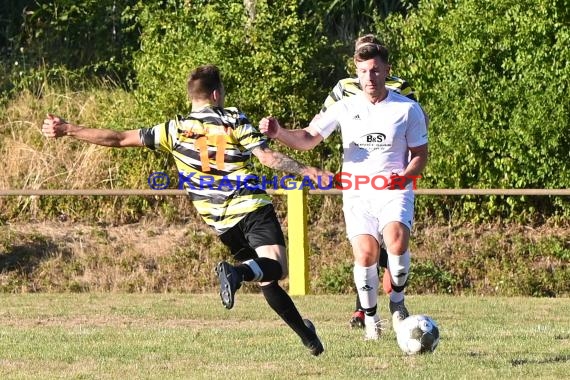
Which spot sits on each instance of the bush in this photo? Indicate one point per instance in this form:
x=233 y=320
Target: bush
x=273 y=63
x=490 y=75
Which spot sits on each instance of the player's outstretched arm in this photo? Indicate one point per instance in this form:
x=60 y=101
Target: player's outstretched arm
x=56 y=127
x=300 y=139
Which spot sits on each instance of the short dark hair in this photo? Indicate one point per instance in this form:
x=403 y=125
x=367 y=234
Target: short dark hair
x=370 y=50
x=204 y=80
x=366 y=39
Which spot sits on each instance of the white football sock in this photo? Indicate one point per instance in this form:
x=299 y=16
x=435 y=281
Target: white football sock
x=399 y=266
x=367 y=282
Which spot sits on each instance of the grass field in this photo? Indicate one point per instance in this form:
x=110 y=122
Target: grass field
x=187 y=336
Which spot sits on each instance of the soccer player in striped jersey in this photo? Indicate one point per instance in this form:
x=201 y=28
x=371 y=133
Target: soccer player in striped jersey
x=348 y=87
x=212 y=147
x=351 y=86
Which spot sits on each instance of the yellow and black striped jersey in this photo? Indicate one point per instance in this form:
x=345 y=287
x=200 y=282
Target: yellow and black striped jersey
x=211 y=148
x=351 y=86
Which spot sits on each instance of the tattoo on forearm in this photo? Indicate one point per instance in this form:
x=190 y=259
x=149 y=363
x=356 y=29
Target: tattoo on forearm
x=279 y=161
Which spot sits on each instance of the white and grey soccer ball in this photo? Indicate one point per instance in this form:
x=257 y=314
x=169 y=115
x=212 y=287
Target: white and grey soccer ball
x=417 y=334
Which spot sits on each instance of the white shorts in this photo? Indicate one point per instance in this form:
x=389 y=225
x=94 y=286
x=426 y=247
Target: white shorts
x=368 y=215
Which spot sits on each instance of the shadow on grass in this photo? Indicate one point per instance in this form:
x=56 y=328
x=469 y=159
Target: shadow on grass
x=548 y=360
x=26 y=256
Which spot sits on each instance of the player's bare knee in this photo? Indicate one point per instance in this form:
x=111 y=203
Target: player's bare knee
x=366 y=258
x=397 y=247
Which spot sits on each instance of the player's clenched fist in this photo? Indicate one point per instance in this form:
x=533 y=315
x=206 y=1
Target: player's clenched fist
x=53 y=126
x=269 y=126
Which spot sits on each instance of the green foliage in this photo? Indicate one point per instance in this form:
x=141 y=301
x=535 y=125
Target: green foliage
x=427 y=276
x=348 y=19
x=267 y=60
x=337 y=278
x=271 y=62
x=66 y=40
x=59 y=31
x=491 y=76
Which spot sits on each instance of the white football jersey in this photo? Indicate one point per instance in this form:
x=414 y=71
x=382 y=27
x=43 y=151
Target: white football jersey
x=376 y=137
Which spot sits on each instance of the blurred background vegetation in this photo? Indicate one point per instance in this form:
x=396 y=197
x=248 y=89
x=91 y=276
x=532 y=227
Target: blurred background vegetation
x=493 y=75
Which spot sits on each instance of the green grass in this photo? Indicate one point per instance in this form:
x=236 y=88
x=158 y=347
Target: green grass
x=181 y=336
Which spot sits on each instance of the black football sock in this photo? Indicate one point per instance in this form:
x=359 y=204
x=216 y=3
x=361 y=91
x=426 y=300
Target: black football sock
x=245 y=272
x=358 y=305
x=261 y=269
x=371 y=311
x=283 y=305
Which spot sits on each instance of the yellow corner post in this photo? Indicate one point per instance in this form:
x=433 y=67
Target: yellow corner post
x=298 y=241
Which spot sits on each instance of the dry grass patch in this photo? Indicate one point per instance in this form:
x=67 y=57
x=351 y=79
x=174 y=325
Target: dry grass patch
x=155 y=256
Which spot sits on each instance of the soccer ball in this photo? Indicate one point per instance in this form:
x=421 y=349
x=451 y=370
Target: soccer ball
x=417 y=334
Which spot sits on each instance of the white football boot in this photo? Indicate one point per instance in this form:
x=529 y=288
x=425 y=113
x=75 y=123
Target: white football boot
x=372 y=327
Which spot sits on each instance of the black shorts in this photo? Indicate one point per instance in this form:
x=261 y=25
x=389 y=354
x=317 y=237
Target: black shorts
x=258 y=228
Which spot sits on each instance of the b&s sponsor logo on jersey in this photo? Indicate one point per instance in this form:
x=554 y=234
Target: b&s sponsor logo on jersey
x=372 y=141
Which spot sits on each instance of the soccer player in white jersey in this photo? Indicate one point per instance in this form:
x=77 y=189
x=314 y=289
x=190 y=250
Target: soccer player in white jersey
x=384 y=134
x=348 y=87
